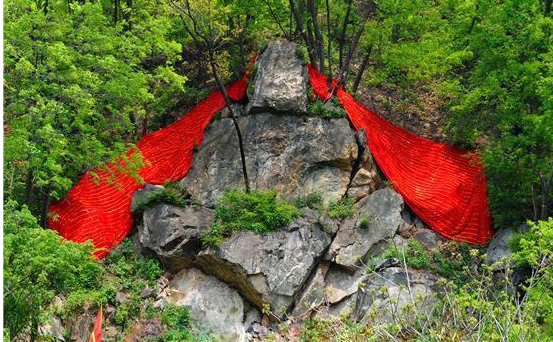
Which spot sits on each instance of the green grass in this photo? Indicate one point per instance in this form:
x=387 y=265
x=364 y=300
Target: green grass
x=313 y=200
x=257 y=211
x=342 y=208
x=173 y=193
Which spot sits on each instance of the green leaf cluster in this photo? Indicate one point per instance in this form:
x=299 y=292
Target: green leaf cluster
x=257 y=211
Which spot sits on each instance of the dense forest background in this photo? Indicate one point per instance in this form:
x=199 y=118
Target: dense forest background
x=85 y=80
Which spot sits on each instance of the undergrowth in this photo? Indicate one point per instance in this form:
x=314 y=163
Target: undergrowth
x=342 y=208
x=257 y=211
x=450 y=260
x=172 y=193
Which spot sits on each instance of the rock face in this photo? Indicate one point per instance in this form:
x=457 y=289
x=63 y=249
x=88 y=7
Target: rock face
x=214 y=306
x=499 y=250
x=382 y=211
x=269 y=268
x=174 y=233
x=291 y=154
x=281 y=80
x=395 y=292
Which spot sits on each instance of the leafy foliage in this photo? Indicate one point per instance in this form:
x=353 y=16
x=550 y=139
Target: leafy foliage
x=172 y=193
x=313 y=201
x=38 y=266
x=258 y=211
x=342 y=208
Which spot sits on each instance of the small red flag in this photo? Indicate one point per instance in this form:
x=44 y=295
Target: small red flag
x=97 y=332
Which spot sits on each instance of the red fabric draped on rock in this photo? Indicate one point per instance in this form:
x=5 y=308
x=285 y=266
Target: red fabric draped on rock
x=444 y=186
x=98 y=209
x=96 y=335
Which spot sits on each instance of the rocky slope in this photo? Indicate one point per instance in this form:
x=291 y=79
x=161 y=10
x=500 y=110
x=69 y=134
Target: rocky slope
x=315 y=266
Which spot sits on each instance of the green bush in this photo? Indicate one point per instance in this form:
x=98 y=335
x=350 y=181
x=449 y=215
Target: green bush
x=313 y=200
x=332 y=111
x=38 y=266
x=258 y=211
x=534 y=249
x=172 y=193
x=342 y=208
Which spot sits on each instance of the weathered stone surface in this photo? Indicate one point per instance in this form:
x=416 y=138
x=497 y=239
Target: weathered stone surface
x=352 y=243
x=340 y=284
x=395 y=292
x=366 y=179
x=141 y=196
x=215 y=308
x=293 y=155
x=428 y=238
x=53 y=327
x=314 y=293
x=174 y=233
x=280 y=81
x=498 y=250
x=269 y=268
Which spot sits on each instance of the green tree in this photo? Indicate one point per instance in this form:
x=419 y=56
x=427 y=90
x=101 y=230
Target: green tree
x=77 y=87
x=38 y=266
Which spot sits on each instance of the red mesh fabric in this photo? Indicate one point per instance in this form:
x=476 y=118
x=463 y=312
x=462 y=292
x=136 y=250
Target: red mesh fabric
x=101 y=211
x=444 y=186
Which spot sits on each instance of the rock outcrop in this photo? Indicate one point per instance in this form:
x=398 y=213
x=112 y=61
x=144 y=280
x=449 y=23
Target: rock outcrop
x=174 y=233
x=293 y=155
x=216 y=308
x=269 y=268
x=315 y=266
x=381 y=212
x=280 y=81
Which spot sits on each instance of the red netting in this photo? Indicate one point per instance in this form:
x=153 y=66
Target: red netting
x=444 y=186
x=101 y=211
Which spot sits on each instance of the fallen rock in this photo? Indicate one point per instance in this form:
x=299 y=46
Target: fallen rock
x=352 y=243
x=280 y=81
x=269 y=268
x=174 y=233
x=293 y=155
x=215 y=308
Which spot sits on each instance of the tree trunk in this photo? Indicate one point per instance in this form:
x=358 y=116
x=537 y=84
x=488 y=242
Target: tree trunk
x=45 y=206
x=228 y=102
x=544 y=183
x=362 y=68
x=115 y=11
x=329 y=46
x=351 y=50
x=145 y=125
x=301 y=29
x=127 y=16
x=29 y=187
x=318 y=36
x=343 y=34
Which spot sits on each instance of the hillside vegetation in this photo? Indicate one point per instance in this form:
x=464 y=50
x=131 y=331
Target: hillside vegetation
x=85 y=80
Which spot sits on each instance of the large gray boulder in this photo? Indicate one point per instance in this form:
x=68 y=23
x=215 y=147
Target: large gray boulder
x=268 y=268
x=382 y=210
x=291 y=154
x=215 y=308
x=280 y=81
x=174 y=233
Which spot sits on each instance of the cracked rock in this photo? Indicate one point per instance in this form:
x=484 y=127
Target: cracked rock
x=269 y=268
x=293 y=155
x=174 y=233
x=352 y=243
x=280 y=81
